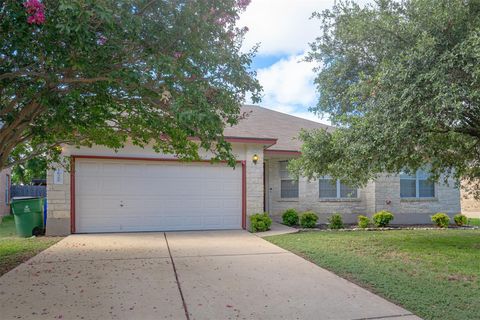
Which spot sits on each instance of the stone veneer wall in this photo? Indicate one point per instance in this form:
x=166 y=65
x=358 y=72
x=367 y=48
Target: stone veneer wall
x=309 y=199
x=58 y=212
x=381 y=194
x=413 y=211
x=254 y=182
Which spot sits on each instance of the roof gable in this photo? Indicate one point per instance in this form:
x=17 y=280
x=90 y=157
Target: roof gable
x=265 y=123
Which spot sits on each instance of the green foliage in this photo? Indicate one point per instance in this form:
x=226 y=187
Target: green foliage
x=108 y=72
x=363 y=221
x=474 y=222
x=335 y=221
x=25 y=172
x=399 y=79
x=260 y=222
x=382 y=218
x=441 y=220
x=290 y=217
x=460 y=219
x=432 y=274
x=308 y=219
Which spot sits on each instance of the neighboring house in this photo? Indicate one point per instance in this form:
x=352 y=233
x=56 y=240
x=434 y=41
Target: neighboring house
x=470 y=205
x=5 y=192
x=137 y=189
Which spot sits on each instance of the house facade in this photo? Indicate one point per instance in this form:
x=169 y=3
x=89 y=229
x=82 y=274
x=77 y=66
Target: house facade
x=5 y=182
x=136 y=189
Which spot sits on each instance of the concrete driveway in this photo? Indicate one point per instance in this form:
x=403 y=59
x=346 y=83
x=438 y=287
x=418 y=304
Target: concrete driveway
x=181 y=275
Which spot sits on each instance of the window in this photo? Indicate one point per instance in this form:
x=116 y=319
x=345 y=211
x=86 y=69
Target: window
x=416 y=185
x=329 y=188
x=288 y=186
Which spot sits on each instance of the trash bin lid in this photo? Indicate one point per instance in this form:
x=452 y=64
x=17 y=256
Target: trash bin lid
x=24 y=198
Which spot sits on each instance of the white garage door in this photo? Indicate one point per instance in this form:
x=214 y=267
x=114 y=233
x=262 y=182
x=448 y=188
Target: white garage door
x=121 y=195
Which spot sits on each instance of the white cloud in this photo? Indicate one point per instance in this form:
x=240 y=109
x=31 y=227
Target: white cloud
x=288 y=87
x=288 y=81
x=281 y=26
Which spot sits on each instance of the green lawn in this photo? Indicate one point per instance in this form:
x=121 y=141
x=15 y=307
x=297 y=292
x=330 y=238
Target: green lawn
x=15 y=250
x=435 y=273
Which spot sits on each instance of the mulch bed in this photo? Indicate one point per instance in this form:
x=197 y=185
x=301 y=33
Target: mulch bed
x=354 y=227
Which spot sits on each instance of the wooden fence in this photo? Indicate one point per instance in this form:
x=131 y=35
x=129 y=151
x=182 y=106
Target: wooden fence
x=28 y=191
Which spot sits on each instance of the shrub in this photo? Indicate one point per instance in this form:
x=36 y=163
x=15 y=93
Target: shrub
x=382 y=218
x=290 y=217
x=363 y=222
x=260 y=222
x=460 y=219
x=308 y=219
x=335 y=221
x=441 y=220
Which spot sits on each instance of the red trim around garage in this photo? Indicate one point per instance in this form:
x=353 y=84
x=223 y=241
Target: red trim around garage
x=283 y=152
x=72 y=194
x=72 y=180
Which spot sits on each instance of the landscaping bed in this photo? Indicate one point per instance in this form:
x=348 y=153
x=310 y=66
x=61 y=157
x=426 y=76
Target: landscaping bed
x=354 y=227
x=433 y=273
x=15 y=250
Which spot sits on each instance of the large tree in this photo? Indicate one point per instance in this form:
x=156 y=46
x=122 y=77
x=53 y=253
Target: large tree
x=88 y=72
x=401 y=83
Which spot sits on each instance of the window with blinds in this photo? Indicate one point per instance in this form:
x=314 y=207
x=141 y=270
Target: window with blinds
x=416 y=185
x=330 y=188
x=288 y=185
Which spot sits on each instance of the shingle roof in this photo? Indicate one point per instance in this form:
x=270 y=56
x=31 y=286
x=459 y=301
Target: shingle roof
x=265 y=123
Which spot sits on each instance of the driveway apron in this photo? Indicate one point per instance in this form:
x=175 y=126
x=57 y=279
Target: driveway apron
x=102 y=276
x=236 y=275
x=181 y=275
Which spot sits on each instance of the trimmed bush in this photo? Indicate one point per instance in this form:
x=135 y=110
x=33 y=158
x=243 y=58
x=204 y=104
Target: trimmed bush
x=335 y=221
x=363 y=222
x=382 y=218
x=290 y=217
x=441 y=220
x=308 y=219
x=460 y=219
x=260 y=222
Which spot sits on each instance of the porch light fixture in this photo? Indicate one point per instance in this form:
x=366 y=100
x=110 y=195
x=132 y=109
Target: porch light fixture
x=255 y=158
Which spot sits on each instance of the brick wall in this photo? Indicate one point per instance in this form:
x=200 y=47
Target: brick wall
x=382 y=194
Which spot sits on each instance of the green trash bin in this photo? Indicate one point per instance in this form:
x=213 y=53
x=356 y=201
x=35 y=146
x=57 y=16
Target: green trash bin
x=28 y=215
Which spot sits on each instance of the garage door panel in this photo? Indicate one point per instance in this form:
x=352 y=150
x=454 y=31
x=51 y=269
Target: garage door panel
x=112 y=185
x=117 y=196
x=88 y=186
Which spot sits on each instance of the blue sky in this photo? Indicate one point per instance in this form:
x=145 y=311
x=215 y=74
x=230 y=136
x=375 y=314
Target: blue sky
x=283 y=30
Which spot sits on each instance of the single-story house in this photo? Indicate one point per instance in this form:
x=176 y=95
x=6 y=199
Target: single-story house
x=136 y=189
x=5 y=192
